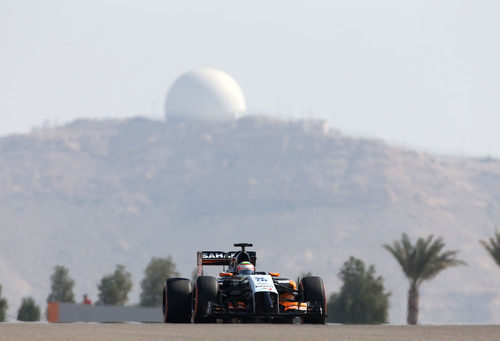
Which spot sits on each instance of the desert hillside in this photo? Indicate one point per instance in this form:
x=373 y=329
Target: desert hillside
x=92 y=194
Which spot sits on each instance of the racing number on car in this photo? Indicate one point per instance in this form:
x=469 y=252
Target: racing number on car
x=260 y=279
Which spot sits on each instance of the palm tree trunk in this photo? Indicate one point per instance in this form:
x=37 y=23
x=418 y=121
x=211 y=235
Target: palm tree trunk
x=412 y=317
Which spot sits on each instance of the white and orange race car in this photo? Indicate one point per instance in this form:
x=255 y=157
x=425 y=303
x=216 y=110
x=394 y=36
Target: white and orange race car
x=247 y=296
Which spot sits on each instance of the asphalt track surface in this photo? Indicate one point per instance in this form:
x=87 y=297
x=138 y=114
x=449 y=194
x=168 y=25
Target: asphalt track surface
x=159 y=331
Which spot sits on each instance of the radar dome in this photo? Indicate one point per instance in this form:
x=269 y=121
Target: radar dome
x=205 y=94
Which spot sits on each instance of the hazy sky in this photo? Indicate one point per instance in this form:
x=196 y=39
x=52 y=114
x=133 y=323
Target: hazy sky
x=419 y=73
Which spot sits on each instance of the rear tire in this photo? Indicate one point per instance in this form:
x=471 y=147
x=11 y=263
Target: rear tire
x=176 y=301
x=205 y=291
x=313 y=290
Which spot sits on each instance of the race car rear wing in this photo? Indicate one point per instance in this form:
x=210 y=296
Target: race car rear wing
x=219 y=258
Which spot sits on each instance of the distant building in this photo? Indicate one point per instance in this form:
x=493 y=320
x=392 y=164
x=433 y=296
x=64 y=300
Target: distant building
x=205 y=94
x=72 y=312
x=86 y=300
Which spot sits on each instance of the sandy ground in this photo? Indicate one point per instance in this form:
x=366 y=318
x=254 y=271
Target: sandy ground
x=125 y=331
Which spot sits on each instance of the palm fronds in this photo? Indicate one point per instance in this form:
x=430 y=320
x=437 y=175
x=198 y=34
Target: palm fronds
x=425 y=259
x=493 y=247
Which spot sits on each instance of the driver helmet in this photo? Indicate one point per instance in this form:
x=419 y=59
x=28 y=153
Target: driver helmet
x=245 y=268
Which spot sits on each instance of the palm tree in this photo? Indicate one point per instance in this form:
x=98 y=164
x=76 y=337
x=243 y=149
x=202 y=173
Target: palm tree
x=421 y=262
x=493 y=247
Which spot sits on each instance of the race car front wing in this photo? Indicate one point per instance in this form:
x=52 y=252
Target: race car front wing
x=304 y=309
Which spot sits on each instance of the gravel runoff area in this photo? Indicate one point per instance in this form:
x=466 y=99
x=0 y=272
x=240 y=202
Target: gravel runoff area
x=159 y=331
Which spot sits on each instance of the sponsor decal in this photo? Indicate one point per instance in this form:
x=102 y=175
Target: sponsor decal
x=214 y=255
x=222 y=254
x=263 y=283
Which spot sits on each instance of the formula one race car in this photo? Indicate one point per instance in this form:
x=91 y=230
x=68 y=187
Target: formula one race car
x=242 y=294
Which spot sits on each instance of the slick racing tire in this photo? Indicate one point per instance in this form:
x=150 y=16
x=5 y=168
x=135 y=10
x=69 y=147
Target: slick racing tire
x=176 y=301
x=313 y=291
x=205 y=292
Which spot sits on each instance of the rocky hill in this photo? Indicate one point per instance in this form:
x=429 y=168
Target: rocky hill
x=92 y=194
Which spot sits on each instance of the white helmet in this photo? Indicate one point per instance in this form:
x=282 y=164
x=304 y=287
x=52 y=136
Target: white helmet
x=245 y=268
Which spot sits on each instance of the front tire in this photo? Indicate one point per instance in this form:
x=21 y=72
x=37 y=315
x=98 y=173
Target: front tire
x=205 y=291
x=176 y=301
x=313 y=291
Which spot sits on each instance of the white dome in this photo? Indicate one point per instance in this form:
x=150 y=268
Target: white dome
x=205 y=94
